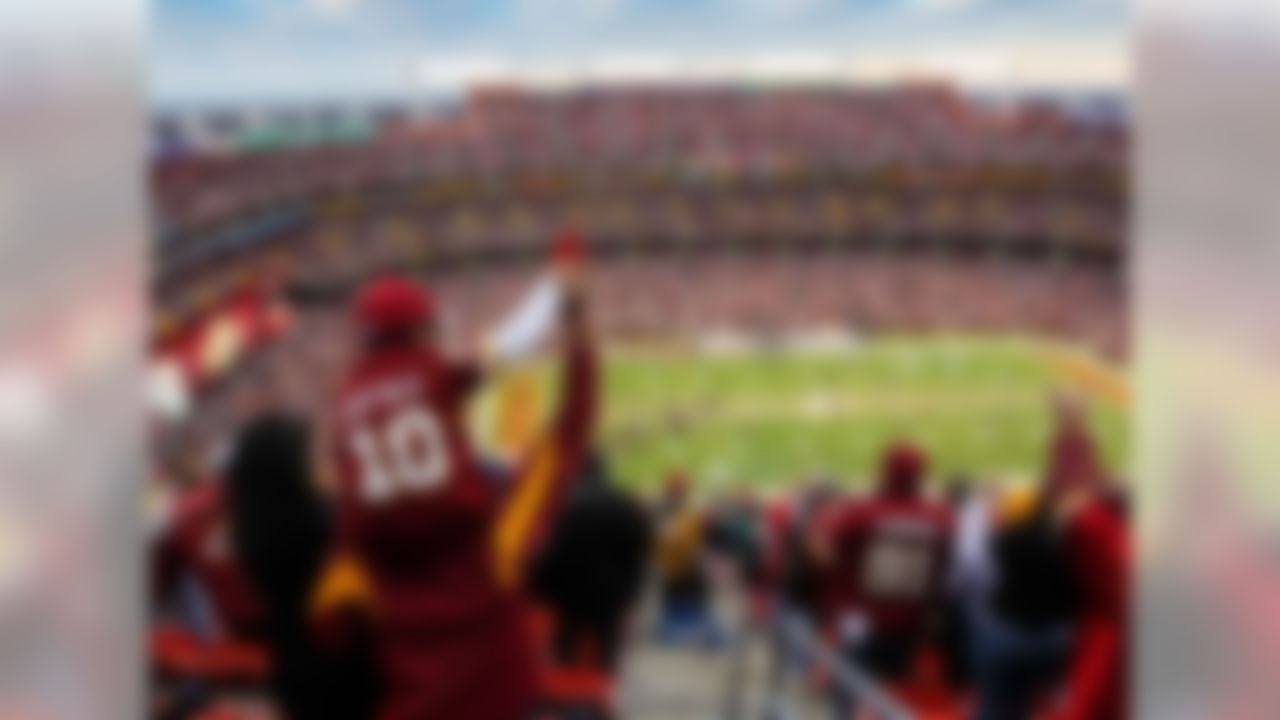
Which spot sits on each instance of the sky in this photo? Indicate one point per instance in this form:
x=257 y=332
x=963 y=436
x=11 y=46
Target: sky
x=219 y=51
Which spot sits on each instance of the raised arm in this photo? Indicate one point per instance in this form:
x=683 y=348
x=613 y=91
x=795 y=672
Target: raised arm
x=575 y=418
x=556 y=458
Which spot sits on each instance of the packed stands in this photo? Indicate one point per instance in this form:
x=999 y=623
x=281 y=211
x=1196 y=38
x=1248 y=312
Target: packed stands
x=854 y=194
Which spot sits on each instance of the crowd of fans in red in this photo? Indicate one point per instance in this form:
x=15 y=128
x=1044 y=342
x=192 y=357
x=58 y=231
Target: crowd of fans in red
x=1023 y=600
x=891 y=210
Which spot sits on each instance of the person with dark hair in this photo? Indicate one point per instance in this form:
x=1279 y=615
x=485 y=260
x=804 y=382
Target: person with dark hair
x=281 y=532
x=589 y=577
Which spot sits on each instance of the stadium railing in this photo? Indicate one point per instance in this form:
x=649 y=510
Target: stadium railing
x=797 y=638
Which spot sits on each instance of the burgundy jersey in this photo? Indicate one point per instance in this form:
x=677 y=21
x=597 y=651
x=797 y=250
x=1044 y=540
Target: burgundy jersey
x=420 y=517
x=889 y=559
x=413 y=505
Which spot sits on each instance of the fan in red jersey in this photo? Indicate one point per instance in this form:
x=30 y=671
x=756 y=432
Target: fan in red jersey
x=1097 y=544
x=442 y=547
x=885 y=558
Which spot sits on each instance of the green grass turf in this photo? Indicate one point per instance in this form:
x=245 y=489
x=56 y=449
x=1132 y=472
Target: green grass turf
x=979 y=406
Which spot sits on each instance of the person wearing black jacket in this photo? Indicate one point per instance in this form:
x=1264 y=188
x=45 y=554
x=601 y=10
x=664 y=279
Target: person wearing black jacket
x=281 y=531
x=590 y=574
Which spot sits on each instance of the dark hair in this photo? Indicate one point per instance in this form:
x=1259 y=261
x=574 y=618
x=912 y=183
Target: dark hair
x=281 y=534
x=400 y=337
x=277 y=519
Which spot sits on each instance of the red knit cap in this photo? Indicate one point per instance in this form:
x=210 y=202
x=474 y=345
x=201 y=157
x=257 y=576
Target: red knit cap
x=902 y=469
x=393 y=304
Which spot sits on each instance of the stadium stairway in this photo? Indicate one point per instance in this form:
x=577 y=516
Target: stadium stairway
x=732 y=682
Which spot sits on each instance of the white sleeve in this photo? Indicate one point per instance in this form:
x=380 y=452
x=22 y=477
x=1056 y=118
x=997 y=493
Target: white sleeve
x=528 y=325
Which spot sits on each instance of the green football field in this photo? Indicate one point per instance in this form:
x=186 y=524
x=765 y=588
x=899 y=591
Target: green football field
x=979 y=406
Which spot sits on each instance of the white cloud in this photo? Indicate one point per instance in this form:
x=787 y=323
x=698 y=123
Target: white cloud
x=1015 y=63
x=940 y=7
x=624 y=67
x=791 y=65
x=333 y=8
x=783 y=8
x=460 y=71
x=1020 y=64
x=558 y=10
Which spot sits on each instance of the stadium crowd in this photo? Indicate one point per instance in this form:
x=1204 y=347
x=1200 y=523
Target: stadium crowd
x=296 y=574
x=648 y=138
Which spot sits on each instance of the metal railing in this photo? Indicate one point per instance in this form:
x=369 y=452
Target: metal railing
x=795 y=636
